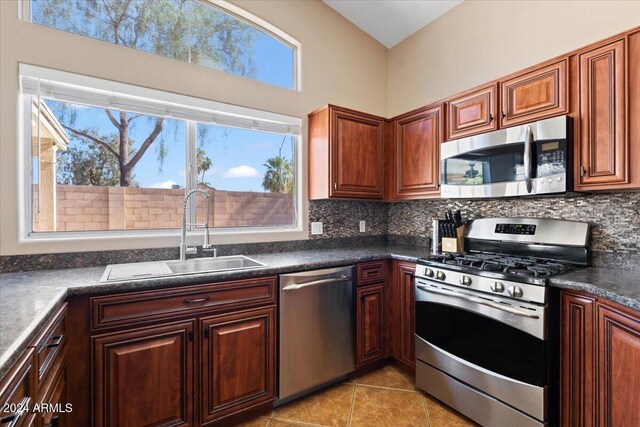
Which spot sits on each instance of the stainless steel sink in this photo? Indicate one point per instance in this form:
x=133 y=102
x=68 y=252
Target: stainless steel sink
x=200 y=265
x=146 y=270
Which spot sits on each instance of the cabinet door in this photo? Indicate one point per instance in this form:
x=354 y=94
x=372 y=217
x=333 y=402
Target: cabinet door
x=534 y=95
x=404 y=279
x=603 y=145
x=417 y=154
x=370 y=324
x=578 y=368
x=618 y=368
x=356 y=155
x=144 y=377
x=472 y=112
x=238 y=362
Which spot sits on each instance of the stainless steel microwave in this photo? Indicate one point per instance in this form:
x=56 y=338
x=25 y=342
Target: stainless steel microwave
x=520 y=161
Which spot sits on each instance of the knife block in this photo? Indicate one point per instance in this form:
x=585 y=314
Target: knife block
x=450 y=244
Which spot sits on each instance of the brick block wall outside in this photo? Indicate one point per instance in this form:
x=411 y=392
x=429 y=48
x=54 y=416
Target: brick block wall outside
x=119 y=208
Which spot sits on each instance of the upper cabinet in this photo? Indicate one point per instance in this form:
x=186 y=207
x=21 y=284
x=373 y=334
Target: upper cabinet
x=353 y=155
x=607 y=149
x=346 y=154
x=472 y=112
x=534 y=95
x=416 y=153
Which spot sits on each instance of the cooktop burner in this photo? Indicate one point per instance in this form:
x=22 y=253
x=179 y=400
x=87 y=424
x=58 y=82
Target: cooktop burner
x=500 y=263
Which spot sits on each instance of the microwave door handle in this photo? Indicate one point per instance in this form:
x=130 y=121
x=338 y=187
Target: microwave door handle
x=478 y=301
x=528 y=139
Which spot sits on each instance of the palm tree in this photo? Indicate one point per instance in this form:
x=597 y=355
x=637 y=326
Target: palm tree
x=279 y=175
x=204 y=163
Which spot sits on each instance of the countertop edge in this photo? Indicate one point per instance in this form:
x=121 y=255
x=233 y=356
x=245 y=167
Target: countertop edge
x=21 y=343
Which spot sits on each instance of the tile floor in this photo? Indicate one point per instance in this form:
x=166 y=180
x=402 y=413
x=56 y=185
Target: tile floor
x=386 y=397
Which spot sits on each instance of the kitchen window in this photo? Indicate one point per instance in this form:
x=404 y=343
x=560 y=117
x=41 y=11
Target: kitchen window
x=107 y=157
x=209 y=33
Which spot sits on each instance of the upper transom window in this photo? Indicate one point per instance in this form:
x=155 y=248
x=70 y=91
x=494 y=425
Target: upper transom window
x=193 y=31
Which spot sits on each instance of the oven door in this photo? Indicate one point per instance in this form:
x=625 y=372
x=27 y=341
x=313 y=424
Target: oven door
x=495 y=345
x=523 y=160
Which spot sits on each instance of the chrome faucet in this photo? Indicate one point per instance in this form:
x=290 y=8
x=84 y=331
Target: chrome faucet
x=185 y=249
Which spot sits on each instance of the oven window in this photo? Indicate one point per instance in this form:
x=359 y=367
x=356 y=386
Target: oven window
x=496 y=164
x=484 y=342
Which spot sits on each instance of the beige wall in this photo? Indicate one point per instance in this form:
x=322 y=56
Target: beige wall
x=340 y=64
x=479 y=41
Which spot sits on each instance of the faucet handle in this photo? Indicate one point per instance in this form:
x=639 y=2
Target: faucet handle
x=209 y=248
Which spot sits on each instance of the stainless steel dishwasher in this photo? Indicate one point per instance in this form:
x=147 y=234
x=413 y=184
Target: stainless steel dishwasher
x=316 y=329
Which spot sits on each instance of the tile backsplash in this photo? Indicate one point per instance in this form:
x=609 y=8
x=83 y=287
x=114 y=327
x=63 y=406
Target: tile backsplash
x=614 y=217
x=341 y=218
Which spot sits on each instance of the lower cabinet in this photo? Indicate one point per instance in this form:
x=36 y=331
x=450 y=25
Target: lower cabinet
x=210 y=357
x=238 y=361
x=144 y=377
x=370 y=324
x=600 y=362
x=403 y=276
x=618 y=367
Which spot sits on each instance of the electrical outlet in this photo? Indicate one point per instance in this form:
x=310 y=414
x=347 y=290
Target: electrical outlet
x=363 y=226
x=316 y=228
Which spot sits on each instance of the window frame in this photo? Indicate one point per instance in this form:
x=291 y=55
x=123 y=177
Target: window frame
x=25 y=173
x=24 y=14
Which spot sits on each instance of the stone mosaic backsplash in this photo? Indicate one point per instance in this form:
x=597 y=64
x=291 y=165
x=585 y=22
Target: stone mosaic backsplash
x=341 y=218
x=614 y=217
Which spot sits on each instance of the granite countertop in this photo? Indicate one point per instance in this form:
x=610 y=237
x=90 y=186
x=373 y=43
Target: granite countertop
x=27 y=299
x=620 y=286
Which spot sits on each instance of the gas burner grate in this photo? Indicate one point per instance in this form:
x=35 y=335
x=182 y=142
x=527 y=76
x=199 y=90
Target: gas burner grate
x=507 y=264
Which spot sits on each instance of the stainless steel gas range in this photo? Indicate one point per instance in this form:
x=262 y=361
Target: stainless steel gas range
x=487 y=321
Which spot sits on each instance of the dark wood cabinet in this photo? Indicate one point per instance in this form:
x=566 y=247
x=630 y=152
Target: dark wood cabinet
x=534 y=94
x=144 y=376
x=578 y=362
x=194 y=355
x=416 y=165
x=600 y=362
x=237 y=362
x=472 y=112
x=17 y=392
x=607 y=146
x=401 y=314
x=603 y=145
x=345 y=154
x=618 y=372
x=370 y=340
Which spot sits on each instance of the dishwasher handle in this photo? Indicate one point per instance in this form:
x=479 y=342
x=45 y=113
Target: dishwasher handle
x=316 y=283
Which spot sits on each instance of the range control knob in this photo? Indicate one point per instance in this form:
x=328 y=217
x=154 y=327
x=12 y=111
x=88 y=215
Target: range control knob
x=515 y=291
x=465 y=280
x=440 y=275
x=428 y=272
x=497 y=287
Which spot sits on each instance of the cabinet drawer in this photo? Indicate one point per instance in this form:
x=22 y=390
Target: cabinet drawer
x=49 y=344
x=54 y=414
x=17 y=393
x=141 y=307
x=371 y=272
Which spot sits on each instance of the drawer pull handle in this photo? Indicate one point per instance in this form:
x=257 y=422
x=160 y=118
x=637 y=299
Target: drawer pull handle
x=55 y=341
x=195 y=300
x=12 y=420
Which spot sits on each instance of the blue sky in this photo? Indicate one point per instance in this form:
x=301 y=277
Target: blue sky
x=237 y=155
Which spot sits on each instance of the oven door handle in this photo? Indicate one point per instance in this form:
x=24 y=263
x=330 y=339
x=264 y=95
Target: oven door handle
x=478 y=301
